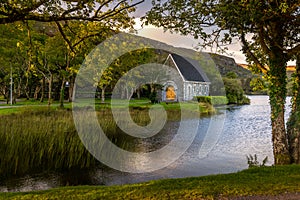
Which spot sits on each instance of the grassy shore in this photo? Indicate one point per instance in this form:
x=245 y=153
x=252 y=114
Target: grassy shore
x=38 y=138
x=24 y=105
x=255 y=181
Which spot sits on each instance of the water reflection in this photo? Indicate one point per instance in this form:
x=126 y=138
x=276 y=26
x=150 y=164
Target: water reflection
x=247 y=130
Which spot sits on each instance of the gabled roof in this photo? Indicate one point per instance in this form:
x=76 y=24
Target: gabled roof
x=190 y=69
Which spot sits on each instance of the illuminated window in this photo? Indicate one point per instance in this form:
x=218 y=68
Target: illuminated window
x=170 y=93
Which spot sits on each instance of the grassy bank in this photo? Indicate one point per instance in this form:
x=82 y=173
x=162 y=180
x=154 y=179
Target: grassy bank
x=40 y=138
x=255 y=181
x=139 y=104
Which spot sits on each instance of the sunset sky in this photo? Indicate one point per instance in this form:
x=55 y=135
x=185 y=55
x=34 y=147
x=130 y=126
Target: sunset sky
x=174 y=39
x=178 y=40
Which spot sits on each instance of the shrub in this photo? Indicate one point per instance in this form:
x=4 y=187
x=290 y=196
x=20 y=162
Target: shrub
x=203 y=99
x=212 y=100
x=253 y=161
x=219 y=100
x=234 y=92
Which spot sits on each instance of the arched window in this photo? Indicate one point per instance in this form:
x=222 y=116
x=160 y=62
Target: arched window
x=170 y=93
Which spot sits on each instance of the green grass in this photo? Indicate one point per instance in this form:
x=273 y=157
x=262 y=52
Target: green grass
x=23 y=109
x=254 y=181
x=37 y=138
x=31 y=105
x=24 y=105
x=40 y=139
x=22 y=102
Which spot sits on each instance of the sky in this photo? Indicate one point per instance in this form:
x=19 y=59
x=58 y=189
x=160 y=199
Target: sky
x=174 y=39
x=177 y=40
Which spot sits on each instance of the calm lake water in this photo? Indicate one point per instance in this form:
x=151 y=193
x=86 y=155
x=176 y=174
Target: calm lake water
x=246 y=130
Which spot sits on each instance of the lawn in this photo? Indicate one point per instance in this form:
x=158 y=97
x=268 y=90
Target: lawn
x=255 y=181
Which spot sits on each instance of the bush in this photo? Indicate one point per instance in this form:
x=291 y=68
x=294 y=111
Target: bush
x=212 y=100
x=234 y=92
x=203 y=99
x=219 y=100
x=253 y=161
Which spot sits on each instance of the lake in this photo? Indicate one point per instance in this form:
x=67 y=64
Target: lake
x=245 y=130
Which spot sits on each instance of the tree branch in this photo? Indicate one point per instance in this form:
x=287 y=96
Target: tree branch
x=247 y=50
x=114 y=12
x=100 y=7
x=29 y=14
x=262 y=35
x=64 y=36
x=293 y=51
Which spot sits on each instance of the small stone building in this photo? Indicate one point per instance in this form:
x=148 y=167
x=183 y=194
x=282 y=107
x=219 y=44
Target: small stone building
x=194 y=81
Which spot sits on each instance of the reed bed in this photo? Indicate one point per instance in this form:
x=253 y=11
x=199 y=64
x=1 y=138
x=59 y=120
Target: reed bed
x=43 y=139
x=46 y=139
x=40 y=140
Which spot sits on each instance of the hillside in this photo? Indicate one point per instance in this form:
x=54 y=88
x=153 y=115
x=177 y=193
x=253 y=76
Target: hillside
x=223 y=63
x=227 y=64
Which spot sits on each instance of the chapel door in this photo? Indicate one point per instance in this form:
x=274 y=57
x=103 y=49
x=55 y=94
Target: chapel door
x=170 y=93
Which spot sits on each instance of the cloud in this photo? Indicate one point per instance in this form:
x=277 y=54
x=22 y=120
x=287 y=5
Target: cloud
x=178 y=40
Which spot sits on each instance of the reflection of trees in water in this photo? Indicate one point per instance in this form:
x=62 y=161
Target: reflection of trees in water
x=170 y=93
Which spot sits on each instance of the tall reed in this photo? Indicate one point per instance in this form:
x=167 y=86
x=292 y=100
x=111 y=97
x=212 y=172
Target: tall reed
x=40 y=140
x=44 y=139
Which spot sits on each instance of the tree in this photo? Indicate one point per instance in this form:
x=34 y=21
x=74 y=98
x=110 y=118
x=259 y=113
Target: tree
x=258 y=84
x=12 y=57
x=272 y=26
x=293 y=125
x=234 y=90
x=81 y=24
x=65 y=10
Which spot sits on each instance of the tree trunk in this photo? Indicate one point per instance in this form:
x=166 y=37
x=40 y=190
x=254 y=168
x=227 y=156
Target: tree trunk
x=138 y=93
x=152 y=88
x=36 y=92
x=293 y=125
x=43 y=90
x=131 y=93
x=73 y=94
x=50 y=90
x=62 y=94
x=127 y=92
x=6 y=95
x=27 y=92
x=123 y=93
x=103 y=94
x=277 y=88
x=71 y=87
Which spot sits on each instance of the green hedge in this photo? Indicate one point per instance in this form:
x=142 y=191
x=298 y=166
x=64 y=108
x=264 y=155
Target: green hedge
x=213 y=100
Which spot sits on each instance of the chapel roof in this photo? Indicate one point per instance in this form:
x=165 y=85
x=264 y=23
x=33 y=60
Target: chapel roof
x=190 y=68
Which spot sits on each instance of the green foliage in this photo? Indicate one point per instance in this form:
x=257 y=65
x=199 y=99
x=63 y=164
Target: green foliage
x=212 y=100
x=253 y=162
x=40 y=140
x=258 y=84
x=37 y=138
x=153 y=96
x=231 y=75
x=234 y=92
x=290 y=87
x=65 y=10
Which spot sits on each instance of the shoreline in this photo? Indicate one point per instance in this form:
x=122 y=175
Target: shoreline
x=274 y=182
